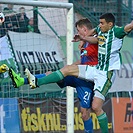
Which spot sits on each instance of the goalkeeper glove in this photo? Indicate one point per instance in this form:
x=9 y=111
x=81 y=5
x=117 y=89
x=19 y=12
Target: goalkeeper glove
x=3 y=68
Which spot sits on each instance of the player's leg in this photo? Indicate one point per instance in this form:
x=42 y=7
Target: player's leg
x=69 y=70
x=101 y=115
x=18 y=81
x=67 y=81
x=87 y=120
x=85 y=95
x=56 y=76
x=102 y=85
x=83 y=89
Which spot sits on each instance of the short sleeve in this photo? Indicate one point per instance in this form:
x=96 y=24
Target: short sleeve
x=119 y=32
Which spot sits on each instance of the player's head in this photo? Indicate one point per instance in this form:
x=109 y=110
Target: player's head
x=10 y=6
x=31 y=21
x=22 y=10
x=107 y=21
x=83 y=26
x=2 y=18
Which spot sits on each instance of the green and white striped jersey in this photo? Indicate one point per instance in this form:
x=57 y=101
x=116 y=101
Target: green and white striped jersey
x=109 y=45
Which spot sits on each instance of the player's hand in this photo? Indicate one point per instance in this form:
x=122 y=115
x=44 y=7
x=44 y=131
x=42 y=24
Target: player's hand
x=132 y=24
x=76 y=38
x=3 y=68
x=80 y=46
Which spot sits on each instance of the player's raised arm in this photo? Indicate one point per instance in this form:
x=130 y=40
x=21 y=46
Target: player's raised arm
x=129 y=27
x=90 y=39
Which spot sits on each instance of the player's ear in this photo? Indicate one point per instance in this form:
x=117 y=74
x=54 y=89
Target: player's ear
x=110 y=24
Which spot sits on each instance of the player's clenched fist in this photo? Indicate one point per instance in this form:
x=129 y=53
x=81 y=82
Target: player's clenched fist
x=3 y=68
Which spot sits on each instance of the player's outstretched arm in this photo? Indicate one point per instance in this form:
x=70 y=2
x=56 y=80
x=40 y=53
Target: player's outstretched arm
x=129 y=27
x=90 y=34
x=90 y=39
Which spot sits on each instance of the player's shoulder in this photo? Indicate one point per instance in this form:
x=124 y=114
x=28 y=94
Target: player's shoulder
x=118 y=27
x=119 y=31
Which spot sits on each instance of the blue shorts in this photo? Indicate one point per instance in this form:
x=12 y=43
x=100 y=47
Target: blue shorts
x=84 y=89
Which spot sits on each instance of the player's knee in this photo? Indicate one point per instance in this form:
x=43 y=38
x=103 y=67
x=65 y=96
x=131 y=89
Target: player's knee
x=85 y=116
x=97 y=109
x=97 y=105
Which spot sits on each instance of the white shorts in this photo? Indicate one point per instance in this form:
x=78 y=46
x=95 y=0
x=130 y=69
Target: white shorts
x=103 y=79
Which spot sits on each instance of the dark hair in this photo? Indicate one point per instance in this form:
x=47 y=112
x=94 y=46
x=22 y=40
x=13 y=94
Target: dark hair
x=109 y=17
x=21 y=7
x=6 y=9
x=84 y=22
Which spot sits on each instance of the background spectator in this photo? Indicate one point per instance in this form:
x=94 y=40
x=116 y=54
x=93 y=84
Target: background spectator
x=10 y=18
x=22 y=20
x=9 y=9
x=31 y=25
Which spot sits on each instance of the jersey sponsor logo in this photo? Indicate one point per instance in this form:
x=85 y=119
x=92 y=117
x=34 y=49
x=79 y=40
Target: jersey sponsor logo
x=101 y=40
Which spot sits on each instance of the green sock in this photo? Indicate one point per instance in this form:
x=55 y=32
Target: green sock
x=103 y=122
x=51 y=78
